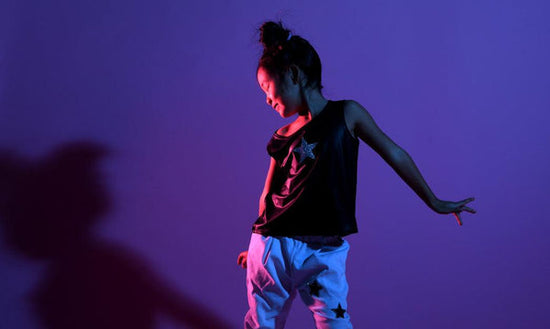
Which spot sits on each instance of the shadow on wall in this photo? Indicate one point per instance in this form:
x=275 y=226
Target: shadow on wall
x=47 y=211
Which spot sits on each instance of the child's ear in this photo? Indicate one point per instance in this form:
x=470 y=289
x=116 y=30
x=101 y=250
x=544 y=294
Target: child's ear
x=295 y=73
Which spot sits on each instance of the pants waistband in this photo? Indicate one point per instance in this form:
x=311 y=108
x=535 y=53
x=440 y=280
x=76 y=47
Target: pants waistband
x=318 y=239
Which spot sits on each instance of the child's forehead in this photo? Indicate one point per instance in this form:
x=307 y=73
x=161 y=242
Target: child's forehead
x=263 y=74
x=264 y=78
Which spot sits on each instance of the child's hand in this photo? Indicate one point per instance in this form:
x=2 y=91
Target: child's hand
x=242 y=259
x=447 y=207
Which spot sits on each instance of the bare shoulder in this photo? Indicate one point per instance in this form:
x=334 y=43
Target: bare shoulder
x=285 y=130
x=354 y=109
x=363 y=126
x=354 y=113
x=282 y=131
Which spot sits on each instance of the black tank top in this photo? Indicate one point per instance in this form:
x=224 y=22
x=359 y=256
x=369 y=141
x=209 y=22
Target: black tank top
x=313 y=188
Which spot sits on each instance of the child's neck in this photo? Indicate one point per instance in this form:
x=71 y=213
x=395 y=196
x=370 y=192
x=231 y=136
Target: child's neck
x=313 y=104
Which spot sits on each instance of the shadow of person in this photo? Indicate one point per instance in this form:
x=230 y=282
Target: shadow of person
x=48 y=209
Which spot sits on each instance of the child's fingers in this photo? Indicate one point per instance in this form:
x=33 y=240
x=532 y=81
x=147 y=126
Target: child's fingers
x=463 y=207
x=465 y=201
x=457 y=216
x=468 y=209
x=242 y=260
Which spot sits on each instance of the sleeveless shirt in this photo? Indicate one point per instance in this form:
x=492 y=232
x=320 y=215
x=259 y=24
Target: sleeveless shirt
x=313 y=188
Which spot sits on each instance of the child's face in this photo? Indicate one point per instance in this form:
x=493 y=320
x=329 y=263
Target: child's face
x=281 y=94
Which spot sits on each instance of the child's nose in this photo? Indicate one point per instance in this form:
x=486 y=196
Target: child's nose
x=268 y=101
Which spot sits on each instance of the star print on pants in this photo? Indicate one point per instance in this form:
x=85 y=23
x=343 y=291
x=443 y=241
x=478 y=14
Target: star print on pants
x=339 y=311
x=314 y=288
x=305 y=150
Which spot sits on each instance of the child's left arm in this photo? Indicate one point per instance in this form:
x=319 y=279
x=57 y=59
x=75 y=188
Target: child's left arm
x=360 y=122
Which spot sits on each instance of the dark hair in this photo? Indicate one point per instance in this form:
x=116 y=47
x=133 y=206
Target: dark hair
x=280 y=52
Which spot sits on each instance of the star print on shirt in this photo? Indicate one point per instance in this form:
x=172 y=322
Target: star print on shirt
x=305 y=150
x=314 y=288
x=339 y=311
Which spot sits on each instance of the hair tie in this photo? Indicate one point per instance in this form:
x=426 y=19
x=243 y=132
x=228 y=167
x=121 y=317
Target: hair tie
x=289 y=36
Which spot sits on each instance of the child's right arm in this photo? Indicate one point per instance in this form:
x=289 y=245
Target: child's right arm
x=267 y=184
x=242 y=259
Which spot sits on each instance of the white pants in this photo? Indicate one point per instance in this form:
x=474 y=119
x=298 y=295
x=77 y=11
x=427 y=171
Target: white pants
x=278 y=267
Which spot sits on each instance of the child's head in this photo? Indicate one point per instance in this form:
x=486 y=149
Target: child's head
x=283 y=50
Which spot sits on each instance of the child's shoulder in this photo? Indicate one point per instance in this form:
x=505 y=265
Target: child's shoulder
x=353 y=114
x=351 y=105
x=352 y=109
x=284 y=130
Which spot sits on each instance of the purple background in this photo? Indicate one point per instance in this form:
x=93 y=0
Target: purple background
x=170 y=88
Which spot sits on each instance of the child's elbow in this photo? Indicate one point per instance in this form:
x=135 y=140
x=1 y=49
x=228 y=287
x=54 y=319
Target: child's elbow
x=397 y=155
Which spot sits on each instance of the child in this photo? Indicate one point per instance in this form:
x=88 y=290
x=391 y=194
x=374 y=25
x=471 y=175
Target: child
x=308 y=201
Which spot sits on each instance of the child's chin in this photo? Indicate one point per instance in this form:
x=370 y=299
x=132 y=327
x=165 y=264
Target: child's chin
x=284 y=114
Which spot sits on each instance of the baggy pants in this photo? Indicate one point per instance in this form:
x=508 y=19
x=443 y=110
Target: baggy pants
x=279 y=267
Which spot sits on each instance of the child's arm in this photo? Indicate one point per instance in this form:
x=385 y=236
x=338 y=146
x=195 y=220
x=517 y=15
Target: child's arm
x=242 y=258
x=362 y=125
x=267 y=184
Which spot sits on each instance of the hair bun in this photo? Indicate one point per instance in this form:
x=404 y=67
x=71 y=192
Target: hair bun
x=273 y=34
